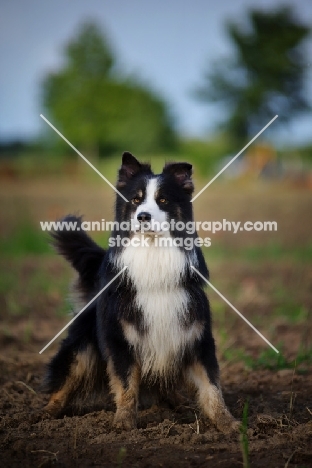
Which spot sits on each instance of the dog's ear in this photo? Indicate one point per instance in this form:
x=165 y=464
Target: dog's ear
x=182 y=172
x=129 y=167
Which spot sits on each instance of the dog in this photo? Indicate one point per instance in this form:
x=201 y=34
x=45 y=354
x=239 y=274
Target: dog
x=151 y=327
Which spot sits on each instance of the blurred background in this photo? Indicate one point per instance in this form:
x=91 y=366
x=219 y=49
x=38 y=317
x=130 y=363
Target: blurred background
x=176 y=81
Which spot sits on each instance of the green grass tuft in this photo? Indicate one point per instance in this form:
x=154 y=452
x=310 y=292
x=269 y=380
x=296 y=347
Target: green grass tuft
x=26 y=239
x=244 y=437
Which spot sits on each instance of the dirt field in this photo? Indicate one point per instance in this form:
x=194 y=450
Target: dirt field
x=267 y=276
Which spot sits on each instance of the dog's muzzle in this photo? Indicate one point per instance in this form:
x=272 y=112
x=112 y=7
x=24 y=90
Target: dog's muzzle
x=145 y=223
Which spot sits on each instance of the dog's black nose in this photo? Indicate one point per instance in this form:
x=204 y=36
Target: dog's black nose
x=144 y=216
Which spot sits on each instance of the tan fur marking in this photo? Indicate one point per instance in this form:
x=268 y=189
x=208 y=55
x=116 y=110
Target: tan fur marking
x=210 y=399
x=126 y=398
x=81 y=371
x=58 y=400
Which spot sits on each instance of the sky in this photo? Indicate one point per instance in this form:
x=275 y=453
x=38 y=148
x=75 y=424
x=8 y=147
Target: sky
x=169 y=44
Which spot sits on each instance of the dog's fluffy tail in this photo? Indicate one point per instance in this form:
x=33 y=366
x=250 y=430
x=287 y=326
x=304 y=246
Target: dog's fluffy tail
x=81 y=252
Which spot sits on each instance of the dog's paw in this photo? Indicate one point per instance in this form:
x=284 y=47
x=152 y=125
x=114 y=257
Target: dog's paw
x=53 y=408
x=228 y=425
x=124 y=420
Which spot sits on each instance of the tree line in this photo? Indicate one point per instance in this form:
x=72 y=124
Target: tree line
x=102 y=110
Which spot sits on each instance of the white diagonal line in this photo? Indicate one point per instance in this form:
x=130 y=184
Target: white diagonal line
x=83 y=157
x=82 y=310
x=233 y=159
x=235 y=310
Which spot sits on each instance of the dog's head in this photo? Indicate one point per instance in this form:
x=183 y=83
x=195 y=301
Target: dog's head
x=154 y=199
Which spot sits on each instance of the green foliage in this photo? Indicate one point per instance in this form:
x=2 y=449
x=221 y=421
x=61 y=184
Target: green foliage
x=291 y=311
x=264 y=77
x=28 y=331
x=305 y=152
x=268 y=358
x=89 y=55
x=28 y=282
x=204 y=155
x=26 y=239
x=121 y=456
x=266 y=252
x=98 y=109
x=244 y=437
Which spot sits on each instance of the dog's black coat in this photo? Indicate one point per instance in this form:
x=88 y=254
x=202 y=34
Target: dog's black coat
x=97 y=346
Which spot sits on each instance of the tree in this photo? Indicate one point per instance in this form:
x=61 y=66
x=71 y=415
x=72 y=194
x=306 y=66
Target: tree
x=98 y=109
x=265 y=76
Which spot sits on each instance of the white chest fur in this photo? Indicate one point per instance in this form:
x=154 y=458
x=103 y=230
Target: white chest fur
x=156 y=273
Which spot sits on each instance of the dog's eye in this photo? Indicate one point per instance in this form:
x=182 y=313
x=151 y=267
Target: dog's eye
x=135 y=201
x=162 y=201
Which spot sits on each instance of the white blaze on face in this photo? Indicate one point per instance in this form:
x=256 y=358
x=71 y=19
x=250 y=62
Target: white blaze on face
x=150 y=206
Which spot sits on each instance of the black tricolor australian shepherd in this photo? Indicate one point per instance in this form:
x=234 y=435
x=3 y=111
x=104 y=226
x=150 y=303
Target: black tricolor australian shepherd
x=151 y=327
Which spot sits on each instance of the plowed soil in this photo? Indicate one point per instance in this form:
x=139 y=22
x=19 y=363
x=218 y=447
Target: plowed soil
x=273 y=293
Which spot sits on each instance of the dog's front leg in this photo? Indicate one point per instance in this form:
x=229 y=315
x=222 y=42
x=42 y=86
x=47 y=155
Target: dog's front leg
x=210 y=399
x=125 y=388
